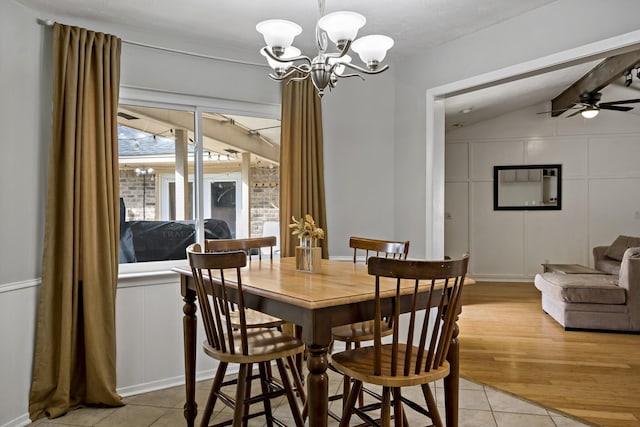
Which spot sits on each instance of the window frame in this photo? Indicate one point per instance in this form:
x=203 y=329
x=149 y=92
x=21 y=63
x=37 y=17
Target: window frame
x=198 y=105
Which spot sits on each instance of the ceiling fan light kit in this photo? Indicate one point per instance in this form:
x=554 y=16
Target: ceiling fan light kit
x=326 y=67
x=589 y=112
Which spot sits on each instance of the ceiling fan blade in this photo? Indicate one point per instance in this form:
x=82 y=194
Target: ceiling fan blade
x=625 y=101
x=614 y=108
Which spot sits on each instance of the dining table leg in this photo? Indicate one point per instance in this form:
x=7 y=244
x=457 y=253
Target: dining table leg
x=189 y=324
x=452 y=381
x=318 y=386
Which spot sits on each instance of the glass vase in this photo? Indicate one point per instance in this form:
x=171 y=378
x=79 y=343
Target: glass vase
x=308 y=255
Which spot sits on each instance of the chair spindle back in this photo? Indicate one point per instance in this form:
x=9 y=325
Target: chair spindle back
x=246 y=245
x=384 y=248
x=208 y=270
x=444 y=279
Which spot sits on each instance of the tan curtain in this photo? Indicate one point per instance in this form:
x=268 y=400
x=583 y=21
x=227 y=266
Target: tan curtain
x=301 y=161
x=75 y=354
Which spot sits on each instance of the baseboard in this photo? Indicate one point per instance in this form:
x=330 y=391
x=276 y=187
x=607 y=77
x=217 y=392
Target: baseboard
x=21 y=421
x=167 y=383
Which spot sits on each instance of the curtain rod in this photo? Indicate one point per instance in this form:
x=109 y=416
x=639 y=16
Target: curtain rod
x=49 y=23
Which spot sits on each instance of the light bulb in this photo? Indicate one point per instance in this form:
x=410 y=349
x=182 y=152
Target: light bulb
x=590 y=112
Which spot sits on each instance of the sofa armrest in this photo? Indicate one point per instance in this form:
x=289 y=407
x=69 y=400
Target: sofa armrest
x=630 y=280
x=599 y=253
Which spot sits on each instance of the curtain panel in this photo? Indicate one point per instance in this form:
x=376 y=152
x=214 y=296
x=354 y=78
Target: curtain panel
x=301 y=162
x=75 y=353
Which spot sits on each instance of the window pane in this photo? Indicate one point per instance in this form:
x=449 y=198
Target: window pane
x=223 y=203
x=156 y=199
x=233 y=144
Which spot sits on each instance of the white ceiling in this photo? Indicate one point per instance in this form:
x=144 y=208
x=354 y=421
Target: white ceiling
x=413 y=24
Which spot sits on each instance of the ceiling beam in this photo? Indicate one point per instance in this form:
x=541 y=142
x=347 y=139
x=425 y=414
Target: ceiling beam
x=226 y=133
x=603 y=74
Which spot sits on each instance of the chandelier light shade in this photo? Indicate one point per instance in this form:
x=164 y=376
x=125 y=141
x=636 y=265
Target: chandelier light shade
x=342 y=26
x=372 y=49
x=278 y=34
x=326 y=67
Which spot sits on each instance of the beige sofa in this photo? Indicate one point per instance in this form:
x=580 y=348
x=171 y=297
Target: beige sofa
x=596 y=301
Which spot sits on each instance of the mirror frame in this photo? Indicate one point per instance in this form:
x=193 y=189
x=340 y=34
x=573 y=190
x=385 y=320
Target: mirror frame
x=496 y=186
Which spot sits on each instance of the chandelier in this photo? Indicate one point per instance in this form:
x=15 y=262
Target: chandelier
x=326 y=67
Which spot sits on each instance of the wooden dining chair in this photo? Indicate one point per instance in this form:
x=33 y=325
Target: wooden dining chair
x=249 y=245
x=383 y=248
x=402 y=363
x=218 y=283
x=356 y=333
x=255 y=319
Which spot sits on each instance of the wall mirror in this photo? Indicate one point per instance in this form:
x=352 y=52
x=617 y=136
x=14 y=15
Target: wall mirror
x=527 y=187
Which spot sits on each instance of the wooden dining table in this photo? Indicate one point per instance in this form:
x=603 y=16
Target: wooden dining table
x=341 y=293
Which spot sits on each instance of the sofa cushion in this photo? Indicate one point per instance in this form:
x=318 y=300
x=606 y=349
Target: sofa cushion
x=621 y=244
x=608 y=266
x=581 y=288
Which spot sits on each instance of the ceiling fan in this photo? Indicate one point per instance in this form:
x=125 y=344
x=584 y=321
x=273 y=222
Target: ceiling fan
x=590 y=105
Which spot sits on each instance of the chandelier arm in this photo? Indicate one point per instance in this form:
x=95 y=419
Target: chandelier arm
x=294 y=59
x=289 y=73
x=296 y=79
x=344 y=76
x=364 y=70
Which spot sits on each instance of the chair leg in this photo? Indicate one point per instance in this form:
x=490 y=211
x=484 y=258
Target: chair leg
x=247 y=395
x=241 y=389
x=398 y=412
x=297 y=378
x=431 y=405
x=295 y=409
x=213 y=394
x=264 y=383
x=351 y=400
x=385 y=409
x=361 y=395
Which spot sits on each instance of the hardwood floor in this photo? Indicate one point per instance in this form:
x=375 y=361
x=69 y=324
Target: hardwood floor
x=509 y=343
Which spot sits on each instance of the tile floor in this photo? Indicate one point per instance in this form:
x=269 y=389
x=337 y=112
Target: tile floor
x=480 y=406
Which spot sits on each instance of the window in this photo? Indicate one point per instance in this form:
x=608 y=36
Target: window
x=165 y=206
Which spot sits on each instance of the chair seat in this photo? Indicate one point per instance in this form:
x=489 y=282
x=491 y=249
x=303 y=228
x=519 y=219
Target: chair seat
x=255 y=319
x=264 y=345
x=358 y=332
x=358 y=364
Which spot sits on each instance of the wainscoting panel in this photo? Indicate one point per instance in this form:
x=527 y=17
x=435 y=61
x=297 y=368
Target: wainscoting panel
x=456 y=218
x=622 y=153
x=497 y=247
x=486 y=155
x=557 y=236
x=614 y=209
x=571 y=153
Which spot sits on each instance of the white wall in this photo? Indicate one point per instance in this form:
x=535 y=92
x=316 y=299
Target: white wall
x=24 y=120
x=358 y=154
x=600 y=181
x=553 y=28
